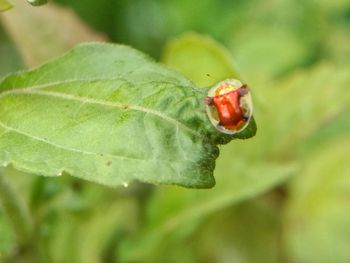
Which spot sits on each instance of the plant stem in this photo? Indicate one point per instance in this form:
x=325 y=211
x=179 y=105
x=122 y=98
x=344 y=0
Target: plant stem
x=16 y=210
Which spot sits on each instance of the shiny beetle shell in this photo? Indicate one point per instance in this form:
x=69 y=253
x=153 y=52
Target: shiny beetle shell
x=229 y=106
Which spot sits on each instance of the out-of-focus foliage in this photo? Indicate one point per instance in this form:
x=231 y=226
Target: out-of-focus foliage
x=6 y=238
x=317 y=219
x=4 y=5
x=280 y=197
x=10 y=60
x=210 y=63
x=43 y=33
x=256 y=31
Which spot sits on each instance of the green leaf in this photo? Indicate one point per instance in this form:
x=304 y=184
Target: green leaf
x=106 y=113
x=4 y=5
x=200 y=58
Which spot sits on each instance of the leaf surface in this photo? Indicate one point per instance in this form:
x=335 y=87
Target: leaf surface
x=108 y=114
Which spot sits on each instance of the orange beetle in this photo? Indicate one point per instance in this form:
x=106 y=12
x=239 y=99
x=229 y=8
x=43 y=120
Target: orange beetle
x=229 y=106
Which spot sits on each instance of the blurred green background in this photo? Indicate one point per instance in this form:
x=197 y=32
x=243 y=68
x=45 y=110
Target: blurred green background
x=282 y=196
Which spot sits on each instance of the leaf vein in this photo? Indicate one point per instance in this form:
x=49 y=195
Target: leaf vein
x=12 y=129
x=100 y=102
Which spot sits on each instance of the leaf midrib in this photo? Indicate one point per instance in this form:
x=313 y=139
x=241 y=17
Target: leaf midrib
x=35 y=91
x=8 y=128
x=38 y=90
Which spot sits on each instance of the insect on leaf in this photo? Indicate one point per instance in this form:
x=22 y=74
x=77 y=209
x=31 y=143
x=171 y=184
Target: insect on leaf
x=108 y=114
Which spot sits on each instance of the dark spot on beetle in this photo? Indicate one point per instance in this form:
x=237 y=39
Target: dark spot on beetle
x=101 y=154
x=109 y=163
x=125 y=107
x=208 y=75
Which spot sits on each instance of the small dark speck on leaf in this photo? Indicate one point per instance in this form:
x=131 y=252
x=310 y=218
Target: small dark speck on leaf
x=108 y=163
x=125 y=107
x=208 y=75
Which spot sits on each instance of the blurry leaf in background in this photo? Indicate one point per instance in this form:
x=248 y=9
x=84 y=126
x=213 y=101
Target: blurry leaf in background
x=248 y=232
x=8 y=240
x=268 y=42
x=268 y=38
x=99 y=15
x=305 y=113
x=256 y=49
x=336 y=49
x=333 y=128
x=43 y=33
x=300 y=105
x=10 y=60
x=147 y=25
x=317 y=220
x=7 y=237
x=200 y=58
x=108 y=219
x=175 y=213
x=317 y=214
x=5 y=5
x=336 y=29
x=64 y=208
